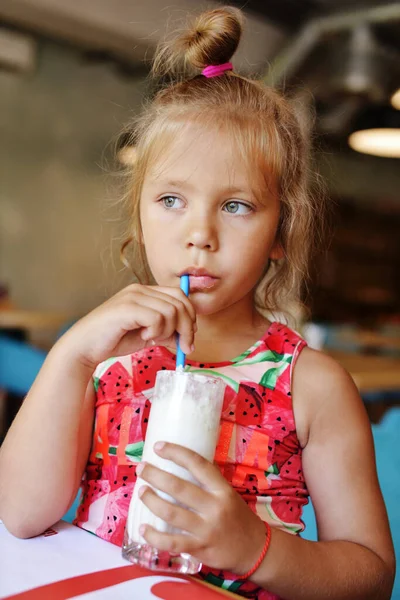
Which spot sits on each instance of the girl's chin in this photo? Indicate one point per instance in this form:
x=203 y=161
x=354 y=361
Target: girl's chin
x=205 y=304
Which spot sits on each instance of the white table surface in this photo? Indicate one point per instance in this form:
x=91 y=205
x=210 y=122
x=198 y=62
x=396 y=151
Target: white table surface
x=26 y=565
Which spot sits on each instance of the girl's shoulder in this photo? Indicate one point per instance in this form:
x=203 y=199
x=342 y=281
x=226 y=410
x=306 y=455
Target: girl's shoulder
x=322 y=390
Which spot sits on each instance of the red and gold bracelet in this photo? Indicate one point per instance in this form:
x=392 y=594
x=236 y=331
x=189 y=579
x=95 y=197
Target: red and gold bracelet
x=262 y=555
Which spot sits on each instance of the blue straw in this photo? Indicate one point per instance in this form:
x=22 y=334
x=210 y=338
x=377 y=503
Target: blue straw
x=181 y=356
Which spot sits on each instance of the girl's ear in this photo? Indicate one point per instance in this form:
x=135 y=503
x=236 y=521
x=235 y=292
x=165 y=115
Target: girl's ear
x=276 y=252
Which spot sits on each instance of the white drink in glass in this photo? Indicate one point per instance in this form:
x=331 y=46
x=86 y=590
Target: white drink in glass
x=186 y=410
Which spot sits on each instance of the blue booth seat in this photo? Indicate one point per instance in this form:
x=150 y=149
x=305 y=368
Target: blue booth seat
x=387 y=450
x=19 y=365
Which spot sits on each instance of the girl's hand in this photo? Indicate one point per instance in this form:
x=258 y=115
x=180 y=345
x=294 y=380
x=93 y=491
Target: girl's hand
x=222 y=531
x=129 y=320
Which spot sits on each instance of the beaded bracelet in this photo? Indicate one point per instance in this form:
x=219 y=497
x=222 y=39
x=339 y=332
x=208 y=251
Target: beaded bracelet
x=262 y=555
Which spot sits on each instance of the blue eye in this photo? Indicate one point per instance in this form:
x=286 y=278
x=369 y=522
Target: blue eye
x=237 y=208
x=171 y=202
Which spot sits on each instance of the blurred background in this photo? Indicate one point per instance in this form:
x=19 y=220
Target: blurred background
x=73 y=73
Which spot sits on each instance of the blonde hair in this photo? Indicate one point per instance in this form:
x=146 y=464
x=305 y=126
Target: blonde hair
x=262 y=125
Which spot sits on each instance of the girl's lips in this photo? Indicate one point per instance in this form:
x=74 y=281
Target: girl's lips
x=201 y=283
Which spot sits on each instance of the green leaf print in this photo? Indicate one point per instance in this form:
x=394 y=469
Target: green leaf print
x=135 y=451
x=246 y=353
x=225 y=584
x=272 y=469
x=232 y=586
x=270 y=377
x=267 y=356
x=211 y=578
x=234 y=384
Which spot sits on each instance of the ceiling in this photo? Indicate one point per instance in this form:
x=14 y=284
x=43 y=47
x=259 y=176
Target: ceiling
x=347 y=52
x=291 y=14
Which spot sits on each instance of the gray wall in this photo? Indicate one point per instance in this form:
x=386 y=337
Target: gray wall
x=55 y=219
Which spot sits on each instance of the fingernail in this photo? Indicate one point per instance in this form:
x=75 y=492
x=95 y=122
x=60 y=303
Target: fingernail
x=159 y=446
x=192 y=348
x=142 y=529
x=145 y=335
x=142 y=491
x=139 y=468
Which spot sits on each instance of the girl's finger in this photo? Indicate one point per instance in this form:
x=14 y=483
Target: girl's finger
x=170 y=294
x=150 y=320
x=179 y=295
x=166 y=323
x=207 y=474
x=185 y=492
x=186 y=332
x=186 y=315
x=132 y=317
x=171 y=513
x=166 y=334
x=175 y=543
x=187 y=325
x=177 y=317
x=165 y=314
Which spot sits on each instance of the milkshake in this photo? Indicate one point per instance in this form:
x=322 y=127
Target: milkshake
x=186 y=410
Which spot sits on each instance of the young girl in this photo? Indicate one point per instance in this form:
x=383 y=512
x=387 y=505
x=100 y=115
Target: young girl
x=218 y=192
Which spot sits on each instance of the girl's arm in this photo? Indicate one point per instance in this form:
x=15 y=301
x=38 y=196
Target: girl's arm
x=45 y=452
x=353 y=559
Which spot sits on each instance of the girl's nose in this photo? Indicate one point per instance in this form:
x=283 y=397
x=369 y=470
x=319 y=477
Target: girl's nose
x=202 y=234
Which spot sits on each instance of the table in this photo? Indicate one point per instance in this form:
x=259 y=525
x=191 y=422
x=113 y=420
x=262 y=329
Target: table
x=13 y=318
x=68 y=562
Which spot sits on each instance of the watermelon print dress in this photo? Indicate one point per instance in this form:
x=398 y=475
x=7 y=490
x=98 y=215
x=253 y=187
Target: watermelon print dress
x=258 y=451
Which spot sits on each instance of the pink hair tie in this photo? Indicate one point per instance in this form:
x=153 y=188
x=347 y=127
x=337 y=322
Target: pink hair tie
x=215 y=70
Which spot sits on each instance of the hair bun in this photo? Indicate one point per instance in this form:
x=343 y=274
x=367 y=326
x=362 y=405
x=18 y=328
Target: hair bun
x=211 y=39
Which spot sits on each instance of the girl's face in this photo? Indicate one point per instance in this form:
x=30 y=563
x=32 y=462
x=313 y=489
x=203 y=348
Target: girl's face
x=199 y=215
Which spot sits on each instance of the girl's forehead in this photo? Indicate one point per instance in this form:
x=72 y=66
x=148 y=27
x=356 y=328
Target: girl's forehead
x=198 y=153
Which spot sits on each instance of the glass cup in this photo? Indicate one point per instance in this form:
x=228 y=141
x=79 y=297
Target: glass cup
x=186 y=410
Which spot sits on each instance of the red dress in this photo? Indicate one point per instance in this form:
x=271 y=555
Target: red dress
x=258 y=450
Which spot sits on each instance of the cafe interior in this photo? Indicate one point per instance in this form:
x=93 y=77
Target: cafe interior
x=73 y=73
